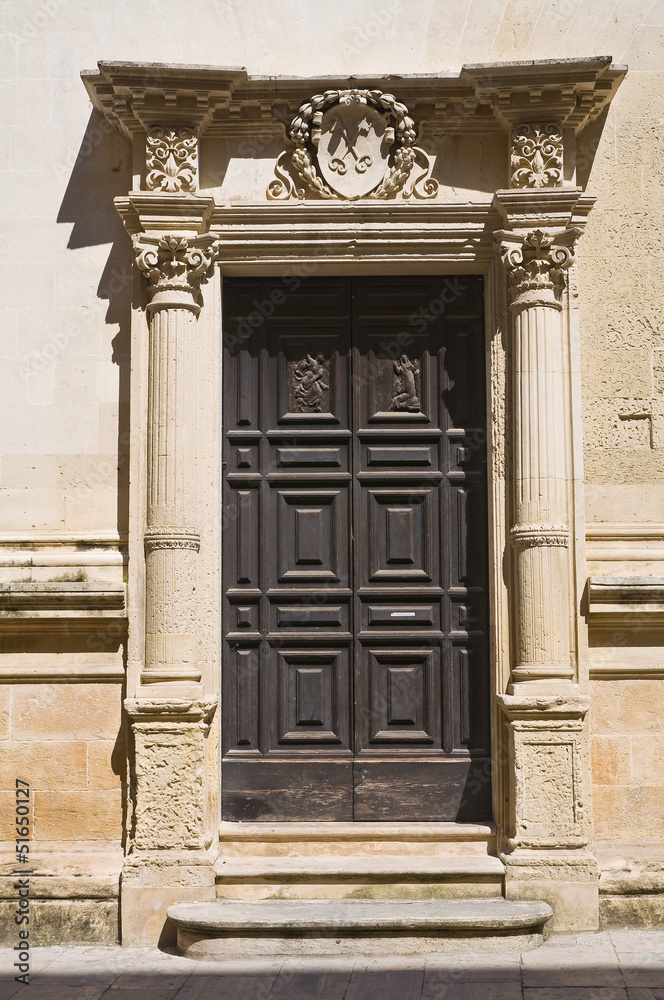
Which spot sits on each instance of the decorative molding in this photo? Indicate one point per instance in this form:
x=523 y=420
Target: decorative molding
x=610 y=670
x=347 y=135
x=635 y=542
x=171 y=159
x=555 y=706
x=536 y=264
x=174 y=263
x=225 y=101
x=60 y=600
x=173 y=709
x=540 y=534
x=171 y=538
x=70 y=672
x=537 y=156
x=633 y=601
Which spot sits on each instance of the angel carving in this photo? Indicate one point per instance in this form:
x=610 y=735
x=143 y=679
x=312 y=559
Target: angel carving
x=404 y=388
x=309 y=385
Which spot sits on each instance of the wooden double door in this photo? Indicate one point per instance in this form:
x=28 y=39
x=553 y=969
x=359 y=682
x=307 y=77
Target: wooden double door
x=355 y=665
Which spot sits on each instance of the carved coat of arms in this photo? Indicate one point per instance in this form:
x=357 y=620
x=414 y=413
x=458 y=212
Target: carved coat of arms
x=353 y=144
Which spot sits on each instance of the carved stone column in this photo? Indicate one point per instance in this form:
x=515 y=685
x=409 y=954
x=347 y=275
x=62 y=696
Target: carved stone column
x=536 y=262
x=174 y=265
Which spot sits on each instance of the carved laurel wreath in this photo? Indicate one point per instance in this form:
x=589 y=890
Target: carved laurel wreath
x=305 y=130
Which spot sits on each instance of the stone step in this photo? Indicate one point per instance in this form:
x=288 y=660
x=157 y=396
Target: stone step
x=230 y=930
x=251 y=840
x=360 y=877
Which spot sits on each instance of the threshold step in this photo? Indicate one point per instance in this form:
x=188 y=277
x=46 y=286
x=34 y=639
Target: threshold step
x=357 y=876
x=413 y=866
x=229 y=930
x=250 y=840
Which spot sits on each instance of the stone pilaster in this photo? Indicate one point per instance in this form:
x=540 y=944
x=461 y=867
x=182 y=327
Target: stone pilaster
x=536 y=262
x=545 y=847
x=174 y=265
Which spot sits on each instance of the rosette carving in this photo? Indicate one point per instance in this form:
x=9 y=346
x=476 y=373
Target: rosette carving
x=537 y=156
x=536 y=263
x=171 y=159
x=174 y=263
x=343 y=149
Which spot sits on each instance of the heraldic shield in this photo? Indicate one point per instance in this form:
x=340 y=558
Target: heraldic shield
x=353 y=147
x=353 y=144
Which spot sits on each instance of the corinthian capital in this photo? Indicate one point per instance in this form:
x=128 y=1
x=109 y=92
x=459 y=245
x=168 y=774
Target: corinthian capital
x=536 y=263
x=174 y=264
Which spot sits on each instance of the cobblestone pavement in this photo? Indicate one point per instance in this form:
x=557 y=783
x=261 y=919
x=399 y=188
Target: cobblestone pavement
x=610 y=965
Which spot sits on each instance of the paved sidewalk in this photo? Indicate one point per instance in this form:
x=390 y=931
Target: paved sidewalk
x=611 y=965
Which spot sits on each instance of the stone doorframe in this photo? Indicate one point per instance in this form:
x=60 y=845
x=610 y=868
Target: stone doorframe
x=521 y=236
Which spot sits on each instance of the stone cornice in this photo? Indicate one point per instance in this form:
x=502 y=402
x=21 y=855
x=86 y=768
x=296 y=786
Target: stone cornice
x=636 y=601
x=573 y=706
x=136 y=97
x=572 y=92
x=177 y=710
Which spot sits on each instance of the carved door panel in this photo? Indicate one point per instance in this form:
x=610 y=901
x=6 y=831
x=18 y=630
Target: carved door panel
x=355 y=674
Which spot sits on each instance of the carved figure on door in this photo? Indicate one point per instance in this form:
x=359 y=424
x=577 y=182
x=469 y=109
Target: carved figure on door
x=404 y=388
x=309 y=385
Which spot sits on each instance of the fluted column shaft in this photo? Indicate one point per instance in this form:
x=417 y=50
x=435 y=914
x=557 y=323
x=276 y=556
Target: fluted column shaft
x=540 y=534
x=174 y=266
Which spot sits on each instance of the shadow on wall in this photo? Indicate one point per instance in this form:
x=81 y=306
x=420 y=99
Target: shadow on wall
x=102 y=171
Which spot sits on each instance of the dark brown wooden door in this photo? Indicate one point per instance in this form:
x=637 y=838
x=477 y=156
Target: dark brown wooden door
x=355 y=672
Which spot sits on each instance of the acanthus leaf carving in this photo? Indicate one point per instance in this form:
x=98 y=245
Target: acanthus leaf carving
x=171 y=159
x=537 y=262
x=537 y=155
x=173 y=262
x=343 y=140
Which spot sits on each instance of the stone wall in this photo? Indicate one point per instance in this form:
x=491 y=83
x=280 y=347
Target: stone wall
x=68 y=742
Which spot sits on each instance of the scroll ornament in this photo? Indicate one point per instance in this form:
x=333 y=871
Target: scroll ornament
x=538 y=261
x=174 y=263
x=351 y=144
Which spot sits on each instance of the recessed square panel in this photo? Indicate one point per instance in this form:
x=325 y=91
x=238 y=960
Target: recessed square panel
x=402 y=535
x=311 y=536
x=310 y=688
x=403 y=697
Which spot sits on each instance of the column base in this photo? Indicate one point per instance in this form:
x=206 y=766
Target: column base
x=150 y=883
x=568 y=882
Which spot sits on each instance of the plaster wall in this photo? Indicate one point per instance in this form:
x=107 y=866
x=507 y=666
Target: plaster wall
x=68 y=291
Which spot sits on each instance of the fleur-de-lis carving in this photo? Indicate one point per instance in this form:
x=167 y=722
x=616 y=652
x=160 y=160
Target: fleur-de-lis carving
x=171 y=157
x=537 y=156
